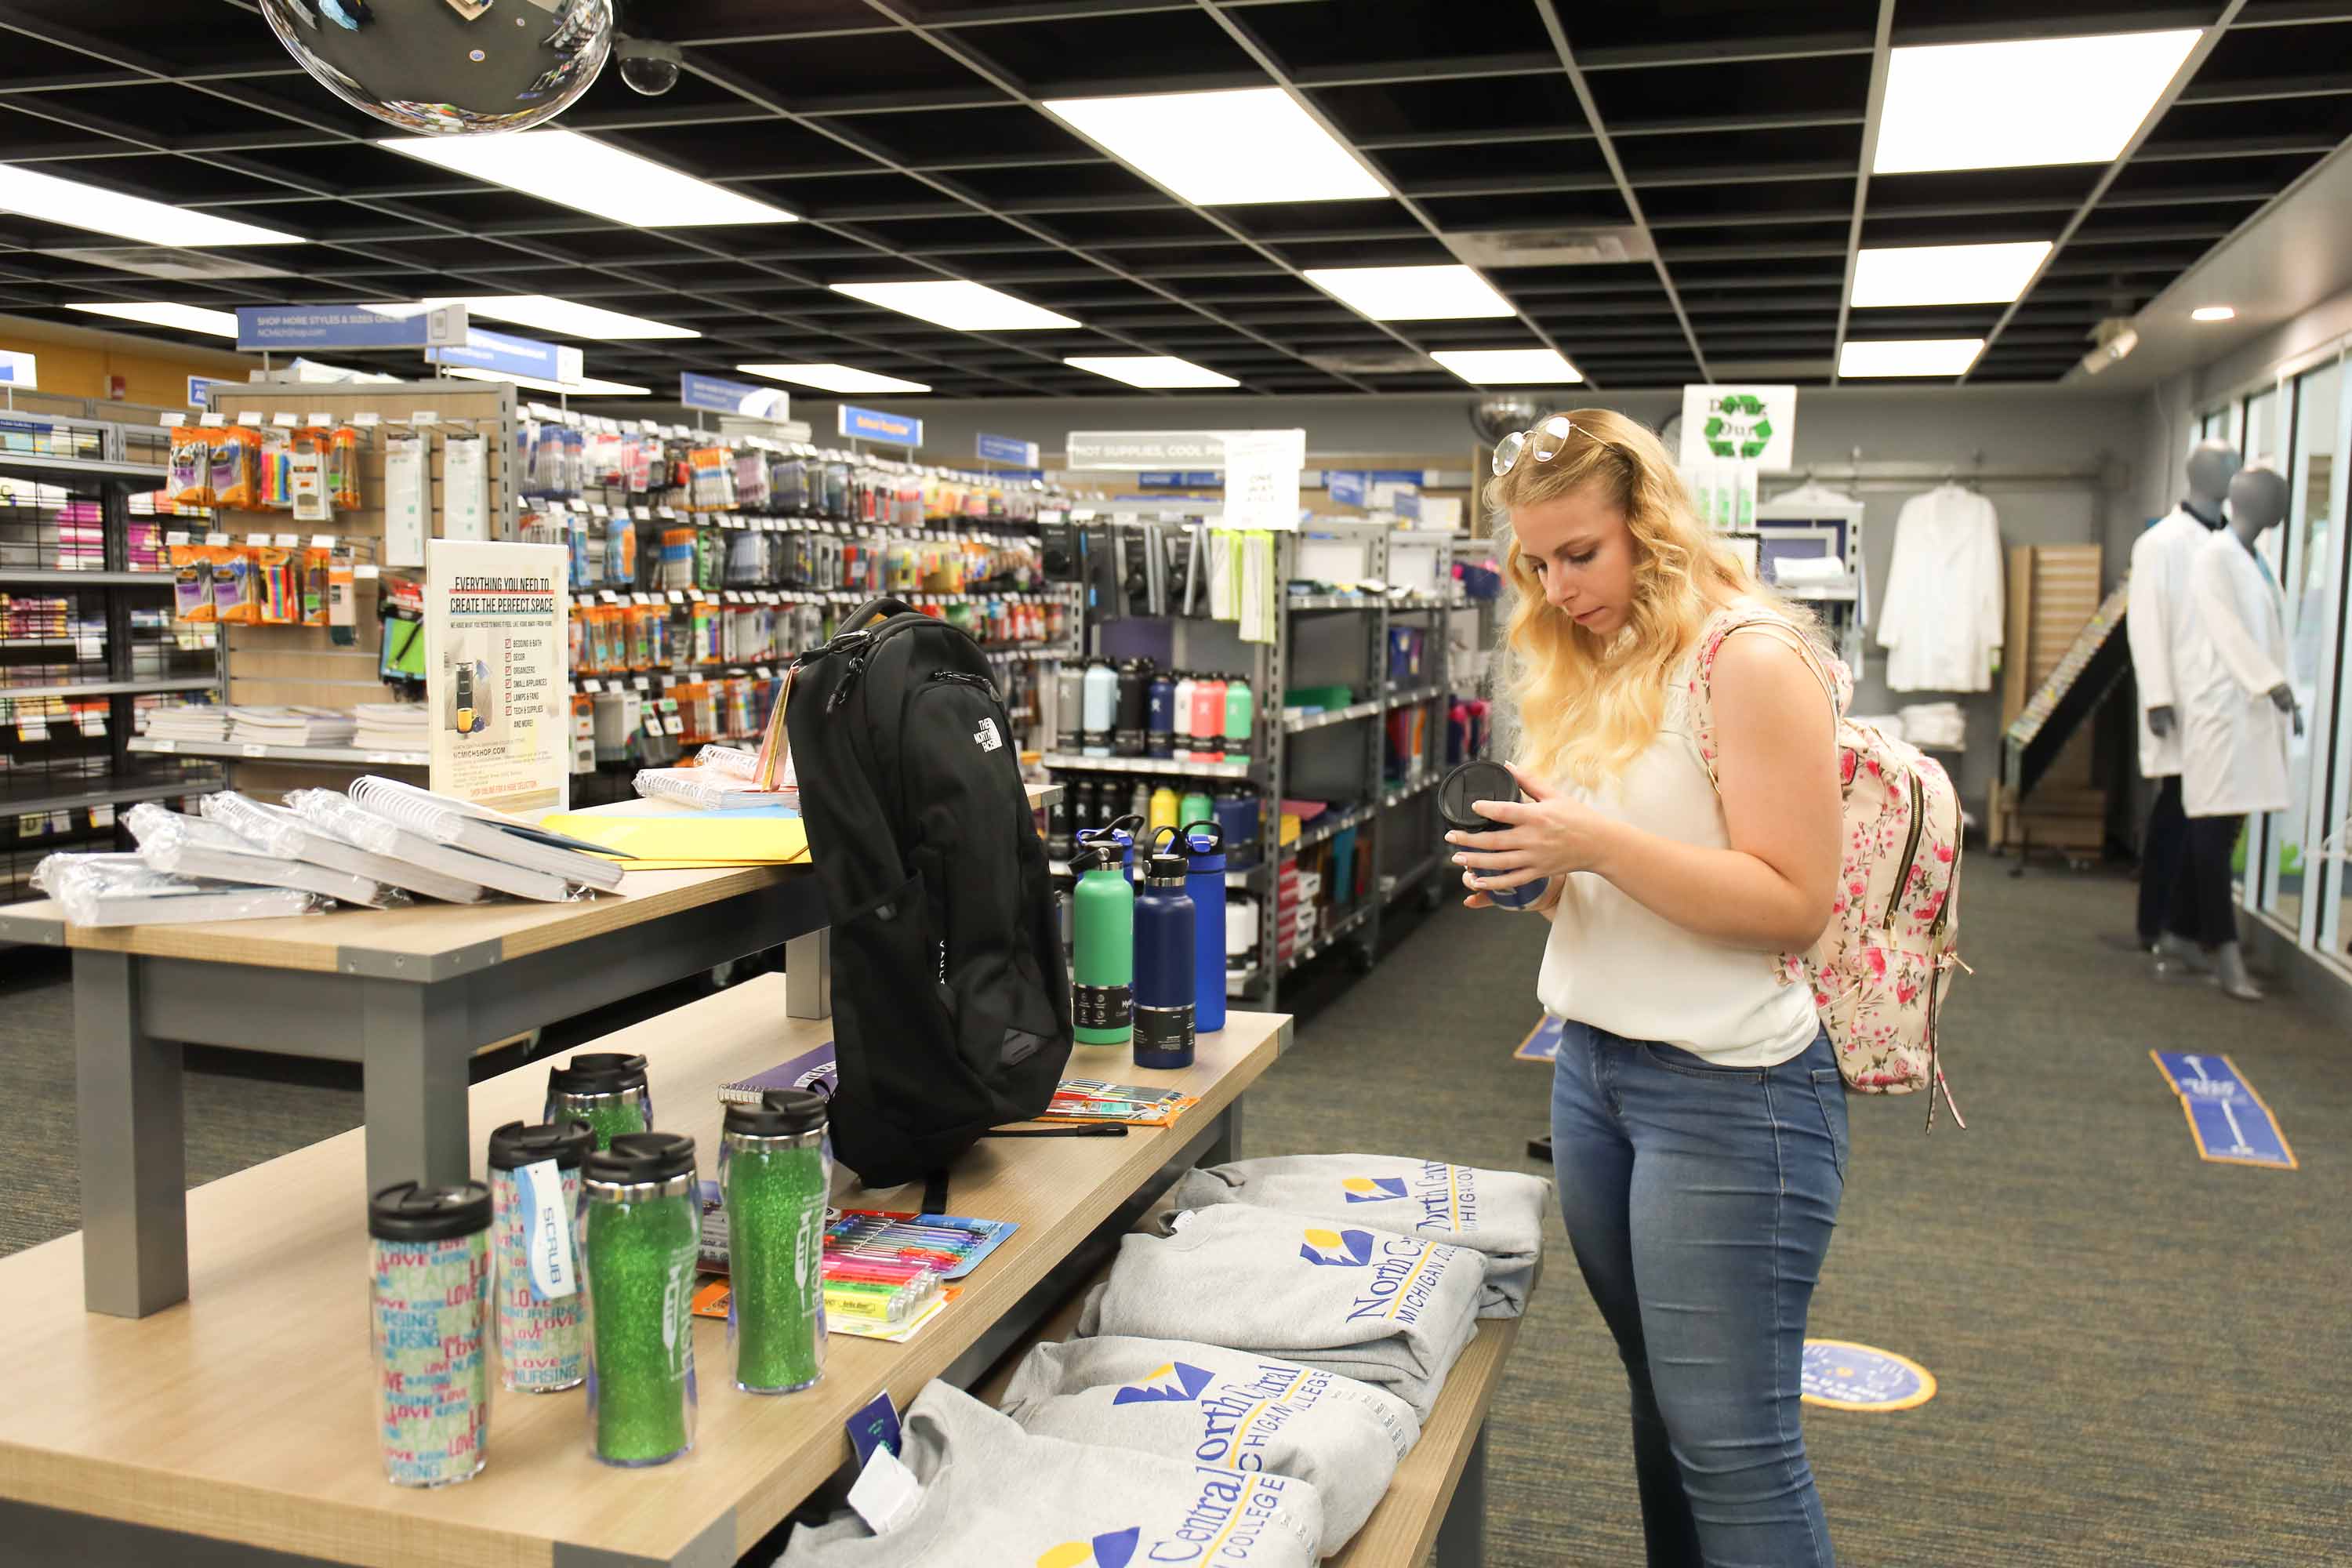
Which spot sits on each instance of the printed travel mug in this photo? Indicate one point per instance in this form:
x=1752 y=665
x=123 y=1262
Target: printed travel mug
x=535 y=1198
x=428 y=1307
x=774 y=1174
x=605 y=1088
x=640 y=1236
x=1456 y=799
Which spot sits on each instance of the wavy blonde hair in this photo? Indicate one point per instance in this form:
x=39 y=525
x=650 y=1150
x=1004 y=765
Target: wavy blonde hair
x=1587 y=705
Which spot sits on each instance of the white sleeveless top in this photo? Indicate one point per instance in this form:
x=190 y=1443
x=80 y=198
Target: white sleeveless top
x=1614 y=964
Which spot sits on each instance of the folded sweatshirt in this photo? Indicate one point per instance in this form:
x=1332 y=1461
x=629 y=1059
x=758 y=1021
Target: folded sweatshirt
x=1390 y=1310
x=1497 y=1213
x=995 y=1497
x=1228 y=1410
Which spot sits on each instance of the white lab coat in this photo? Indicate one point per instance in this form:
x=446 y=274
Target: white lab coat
x=2159 y=618
x=1940 y=619
x=2233 y=739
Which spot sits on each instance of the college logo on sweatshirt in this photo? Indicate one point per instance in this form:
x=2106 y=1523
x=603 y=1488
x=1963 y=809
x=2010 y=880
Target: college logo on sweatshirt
x=1402 y=1282
x=1448 y=1200
x=1112 y=1549
x=1174 y=1383
x=1372 y=1189
x=1337 y=1248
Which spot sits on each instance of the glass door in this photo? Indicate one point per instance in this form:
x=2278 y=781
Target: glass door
x=2309 y=461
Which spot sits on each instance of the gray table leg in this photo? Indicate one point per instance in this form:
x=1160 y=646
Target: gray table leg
x=134 y=1165
x=1462 y=1534
x=808 y=974
x=414 y=1061
x=1228 y=1145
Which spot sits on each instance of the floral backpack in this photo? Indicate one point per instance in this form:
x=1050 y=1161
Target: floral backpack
x=1878 y=973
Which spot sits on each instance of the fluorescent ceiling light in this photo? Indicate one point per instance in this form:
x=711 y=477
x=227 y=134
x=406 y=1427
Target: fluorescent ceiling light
x=2213 y=313
x=577 y=170
x=1222 y=149
x=548 y=314
x=1410 y=293
x=954 y=302
x=1151 y=369
x=157 y=313
x=833 y=377
x=2030 y=100
x=1509 y=367
x=77 y=206
x=1946 y=274
x=1910 y=356
x=587 y=386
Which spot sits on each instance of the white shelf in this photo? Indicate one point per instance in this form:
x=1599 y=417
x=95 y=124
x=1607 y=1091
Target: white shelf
x=81 y=467
x=42 y=578
x=248 y=751
x=1295 y=723
x=74 y=794
x=108 y=688
x=1163 y=767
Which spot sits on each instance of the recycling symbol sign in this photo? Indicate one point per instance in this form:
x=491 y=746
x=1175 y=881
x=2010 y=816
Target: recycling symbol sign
x=1755 y=423
x=1738 y=426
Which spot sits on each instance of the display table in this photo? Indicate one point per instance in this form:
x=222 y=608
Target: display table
x=248 y=1414
x=409 y=994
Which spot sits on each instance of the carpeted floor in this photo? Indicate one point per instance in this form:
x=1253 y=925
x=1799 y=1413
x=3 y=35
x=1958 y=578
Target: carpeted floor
x=2142 y=1358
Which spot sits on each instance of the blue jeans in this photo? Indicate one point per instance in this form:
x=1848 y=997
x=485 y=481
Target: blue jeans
x=1700 y=1200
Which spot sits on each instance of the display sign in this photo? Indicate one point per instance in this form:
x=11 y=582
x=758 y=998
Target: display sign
x=1842 y=1377
x=1347 y=486
x=18 y=368
x=1753 y=424
x=1180 y=479
x=1261 y=478
x=2231 y=1124
x=1146 y=448
x=495 y=644
x=1008 y=450
x=722 y=396
x=873 y=424
x=199 y=386
x=288 y=327
x=503 y=353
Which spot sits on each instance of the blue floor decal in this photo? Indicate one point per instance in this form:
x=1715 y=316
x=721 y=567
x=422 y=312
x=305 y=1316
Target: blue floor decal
x=2228 y=1118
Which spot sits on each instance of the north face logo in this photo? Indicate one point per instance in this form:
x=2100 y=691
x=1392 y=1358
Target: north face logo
x=989 y=741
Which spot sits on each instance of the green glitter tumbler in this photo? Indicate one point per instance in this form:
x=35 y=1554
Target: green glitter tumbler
x=605 y=1088
x=641 y=1235
x=776 y=1175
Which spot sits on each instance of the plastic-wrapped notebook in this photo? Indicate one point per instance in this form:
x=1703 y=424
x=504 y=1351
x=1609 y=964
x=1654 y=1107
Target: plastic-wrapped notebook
x=191 y=846
x=483 y=831
x=337 y=816
x=275 y=830
x=124 y=891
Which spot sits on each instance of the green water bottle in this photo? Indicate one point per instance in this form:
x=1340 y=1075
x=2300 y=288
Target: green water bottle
x=1103 y=947
x=1238 y=715
x=1195 y=807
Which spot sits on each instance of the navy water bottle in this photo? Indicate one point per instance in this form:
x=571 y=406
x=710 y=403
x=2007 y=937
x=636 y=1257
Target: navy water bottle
x=1159 y=721
x=1204 y=883
x=1456 y=803
x=1164 y=974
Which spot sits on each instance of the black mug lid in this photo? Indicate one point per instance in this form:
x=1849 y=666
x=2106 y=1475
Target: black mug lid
x=780 y=1113
x=597 y=1072
x=567 y=1143
x=1471 y=781
x=637 y=1159
x=412 y=1211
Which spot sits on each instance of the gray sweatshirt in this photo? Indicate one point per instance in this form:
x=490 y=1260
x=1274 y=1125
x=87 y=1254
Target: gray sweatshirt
x=1229 y=1410
x=995 y=1497
x=1390 y=1310
x=1497 y=1213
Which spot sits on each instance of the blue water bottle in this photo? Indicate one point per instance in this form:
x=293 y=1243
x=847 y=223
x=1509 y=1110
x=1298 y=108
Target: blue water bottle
x=1205 y=885
x=1457 y=802
x=1164 y=975
x=1159 y=720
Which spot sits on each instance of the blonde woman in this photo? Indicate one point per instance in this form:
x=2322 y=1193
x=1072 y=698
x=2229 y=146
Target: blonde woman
x=1698 y=1121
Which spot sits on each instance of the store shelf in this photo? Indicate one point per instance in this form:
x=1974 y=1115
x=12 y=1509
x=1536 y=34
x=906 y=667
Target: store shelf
x=1333 y=602
x=1395 y=797
x=1161 y=767
x=1239 y=982
x=1409 y=696
x=110 y=688
x=40 y=578
x=247 y=750
x=1429 y=601
x=1326 y=827
x=1329 y=940
x=27 y=797
x=63 y=468
x=1405 y=882
x=1295 y=723
x=1825 y=593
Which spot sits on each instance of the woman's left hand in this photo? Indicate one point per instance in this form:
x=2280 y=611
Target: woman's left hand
x=1546 y=834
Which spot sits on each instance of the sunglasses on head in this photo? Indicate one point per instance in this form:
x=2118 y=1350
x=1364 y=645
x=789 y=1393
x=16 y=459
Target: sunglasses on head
x=1542 y=442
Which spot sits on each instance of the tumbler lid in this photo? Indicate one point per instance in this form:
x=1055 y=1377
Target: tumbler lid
x=597 y=1072
x=636 y=1158
x=412 y=1211
x=567 y=1141
x=780 y=1113
x=1471 y=783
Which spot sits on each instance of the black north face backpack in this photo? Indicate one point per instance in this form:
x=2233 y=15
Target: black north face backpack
x=952 y=1004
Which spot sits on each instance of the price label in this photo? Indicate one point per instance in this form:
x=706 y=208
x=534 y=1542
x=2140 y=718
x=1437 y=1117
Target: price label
x=215 y=539
x=32 y=731
x=256 y=538
x=284 y=421
x=165 y=747
x=609 y=596
x=251 y=749
x=695 y=594
x=321 y=418
x=93 y=724
x=288 y=541
x=322 y=542
x=766 y=673
x=176 y=536
x=593 y=684
x=642 y=598
x=425 y=416
x=366 y=572
x=642 y=514
x=599 y=508
x=250 y=417
x=677 y=597
x=672 y=725
x=367 y=420
x=214 y=420
x=641 y=683
x=381 y=758
x=174 y=421
x=668 y=511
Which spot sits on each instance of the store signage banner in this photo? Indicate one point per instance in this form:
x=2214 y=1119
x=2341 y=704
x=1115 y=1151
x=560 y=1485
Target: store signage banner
x=503 y=353
x=1752 y=424
x=19 y=369
x=873 y=424
x=1146 y=450
x=200 y=386
x=723 y=396
x=1178 y=479
x=290 y=327
x=495 y=642
x=1008 y=450
x=1261 y=478
x=1346 y=485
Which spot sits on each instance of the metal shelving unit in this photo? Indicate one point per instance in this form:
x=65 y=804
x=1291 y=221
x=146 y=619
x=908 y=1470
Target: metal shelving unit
x=251 y=750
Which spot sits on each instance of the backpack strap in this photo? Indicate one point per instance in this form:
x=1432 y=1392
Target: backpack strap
x=1711 y=639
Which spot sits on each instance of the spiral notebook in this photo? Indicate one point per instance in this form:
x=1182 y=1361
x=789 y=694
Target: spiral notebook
x=190 y=847
x=338 y=817
x=279 y=831
x=485 y=832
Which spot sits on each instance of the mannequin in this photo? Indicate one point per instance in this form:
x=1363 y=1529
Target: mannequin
x=2236 y=707
x=2159 y=618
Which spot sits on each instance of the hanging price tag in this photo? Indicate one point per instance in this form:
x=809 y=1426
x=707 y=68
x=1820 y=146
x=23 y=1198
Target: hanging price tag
x=677 y=597
x=593 y=684
x=641 y=683
x=252 y=749
x=287 y=540
x=164 y=747
x=609 y=596
x=367 y=419
x=284 y=421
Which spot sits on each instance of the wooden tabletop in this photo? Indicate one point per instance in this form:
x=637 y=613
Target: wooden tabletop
x=423 y=931
x=246 y=1412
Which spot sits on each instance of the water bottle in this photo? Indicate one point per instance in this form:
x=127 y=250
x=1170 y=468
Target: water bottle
x=775 y=1175
x=1239 y=718
x=605 y=1088
x=1069 y=707
x=1133 y=701
x=1058 y=818
x=1205 y=884
x=1195 y=810
x=1102 y=989
x=1101 y=707
x=428 y=1313
x=1085 y=799
x=1159 y=716
x=1456 y=797
x=1180 y=741
x=1163 y=808
x=535 y=1208
x=1138 y=804
x=640 y=1238
x=1209 y=719
x=1164 y=975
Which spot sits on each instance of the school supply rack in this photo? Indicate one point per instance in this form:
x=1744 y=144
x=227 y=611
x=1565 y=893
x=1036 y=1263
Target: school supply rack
x=86 y=637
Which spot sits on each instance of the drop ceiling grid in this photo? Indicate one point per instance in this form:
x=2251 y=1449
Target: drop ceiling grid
x=909 y=135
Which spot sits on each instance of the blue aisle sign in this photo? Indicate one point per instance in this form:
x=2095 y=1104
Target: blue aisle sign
x=288 y=327
x=1008 y=450
x=873 y=424
x=1543 y=1044
x=2230 y=1121
x=18 y=368
x=503 y=353
x=723 y=396
x=1842 y=1376
x=1347 y=486
x=1180 y=479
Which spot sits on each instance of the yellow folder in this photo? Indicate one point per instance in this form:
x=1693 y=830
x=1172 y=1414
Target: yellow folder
x=704 y=839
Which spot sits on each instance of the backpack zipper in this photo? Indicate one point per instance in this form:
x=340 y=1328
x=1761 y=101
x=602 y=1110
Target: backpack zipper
x=965 y=678
x=1910 y=850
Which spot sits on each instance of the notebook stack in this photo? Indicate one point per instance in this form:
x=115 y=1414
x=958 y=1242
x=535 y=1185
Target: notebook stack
x=723 y=778
x=124 y=890
x=191 y=848
x=290 y=727
x=390 y=727
x=492 y=848
x=187 y=722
